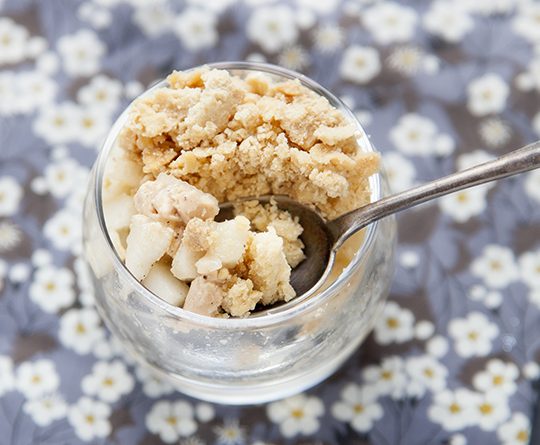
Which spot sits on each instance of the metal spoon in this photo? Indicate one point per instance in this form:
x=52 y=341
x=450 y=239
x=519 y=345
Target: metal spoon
x=323 y=238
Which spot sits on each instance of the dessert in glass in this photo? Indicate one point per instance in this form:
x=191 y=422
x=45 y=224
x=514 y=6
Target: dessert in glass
x=206 y=303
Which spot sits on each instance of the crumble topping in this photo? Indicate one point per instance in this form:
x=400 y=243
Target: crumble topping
x=211 y=137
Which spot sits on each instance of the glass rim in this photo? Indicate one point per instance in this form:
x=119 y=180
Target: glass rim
x=276 y=316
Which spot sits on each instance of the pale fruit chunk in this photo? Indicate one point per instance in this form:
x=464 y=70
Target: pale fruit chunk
x=122 y=175
x=118 y=211
x=204 y=297
x=183 y=265
x=171 y=199
x=162 y=283
x=268 y=268
x=117 y=244
x=147 y=242
x=229 y=241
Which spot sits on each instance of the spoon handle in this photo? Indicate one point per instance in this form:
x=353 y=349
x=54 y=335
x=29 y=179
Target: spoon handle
x=521 y=160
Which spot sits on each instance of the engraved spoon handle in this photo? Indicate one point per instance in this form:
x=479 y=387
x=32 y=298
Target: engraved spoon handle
x=517 y=161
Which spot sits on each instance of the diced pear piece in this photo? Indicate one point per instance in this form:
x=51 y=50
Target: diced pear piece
x=172 y=199
x=118 y=211
x=229 y=241
x=162 y=283
x=122 y=174
x=147 y=242
x=204 y=297
x=183 y=265
x=207 y=265
x=117 y=244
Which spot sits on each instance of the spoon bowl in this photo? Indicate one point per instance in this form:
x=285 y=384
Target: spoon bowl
x=323 y=238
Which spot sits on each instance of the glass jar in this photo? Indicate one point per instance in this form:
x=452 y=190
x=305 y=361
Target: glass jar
x=242 y=360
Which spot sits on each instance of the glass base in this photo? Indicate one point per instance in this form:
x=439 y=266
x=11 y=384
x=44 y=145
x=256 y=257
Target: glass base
x=249 y=394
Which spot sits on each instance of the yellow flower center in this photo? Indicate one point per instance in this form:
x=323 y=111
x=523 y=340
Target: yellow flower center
x=523 y=436
x=386 y=375
x=498 y=380
x=454 y=408
x=358 y=408
x=485 y=409
x=297 y=413
x=392 y=323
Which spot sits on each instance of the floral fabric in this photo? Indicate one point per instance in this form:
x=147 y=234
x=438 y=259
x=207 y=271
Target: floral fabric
x=439 y=85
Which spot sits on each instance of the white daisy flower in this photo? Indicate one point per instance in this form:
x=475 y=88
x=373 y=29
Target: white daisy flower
x=465 y=204
x=360 y=64
x=457 y=439
x=216 y=6
x=294 y=58
x=473 y=158
x=154 y=18
x=320 y=7
x=39 y=89
x=529 y=268
x=81 y=52
x=10 y=196
x=19 y=273
x=153 y=385
x=171 y=420
x=13 y=41
x=7 y=380
x=102 y=92
x=328 y=38
x=491 y=410
x=495 y=132
x=272 y=27
x=47 y=63
x=41 y=258
x=52 y=288
x=10 y=236
x=453 y=410
x=358 y=406
x=95 y=15
x=395 y=325
x=496 y=266
x=487 y=94
x=531 y=370
x=473 y=335
x=400 y=172
x=388 y=378
x=406 y=60
x=204 y=412
x=196 y=29
x=498 y=376
x=525 y=23
x=295 y=415
x=90 y=419
x=423 y=330
x=57 y=124
x=413 y=134
x=46 y=410
x=425 y=373
x=37 y=378
x=64 y=230
x=390 y=22
x=108 y=381
x=92 y=125
x=80 y=330
x=62 y=176
x=516 y=431
x=447 y=20
x=532 y=184
x=231 y=433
